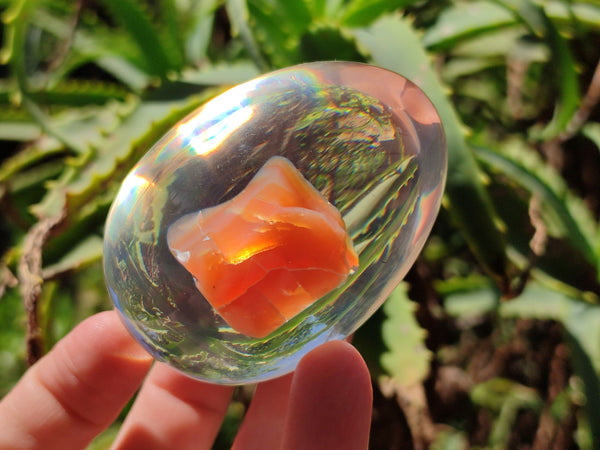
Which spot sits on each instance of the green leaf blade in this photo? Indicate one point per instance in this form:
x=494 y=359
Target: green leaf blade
x=466 y=20
x=524 y=168
x=467 y=199
x=407 y=359
x=137 y=23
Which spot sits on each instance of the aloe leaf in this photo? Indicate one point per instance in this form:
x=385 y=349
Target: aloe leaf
x=568 y=83
x=18 y=131
x=588 y=374
x=199 y=30
x=363 y=12
x=500 y=43
x=92 y=181
x=295 y=15
x=450 y=439
x=16 y=20
x=107 y=51
x=87 y=251
x=591 y=130
x=171 y=32
x=13 y=53
x=393 y=44
x=586 y=14
x=582 y=323
x=580 y=318
x=12 y=340
x=237 y=11
x=461 y=67
x=548 y=301
x=506 y=398
x=406 y=359
x=124 y=71
x=563 y=63
x=280 y=43
x=28 y=157
x=333 y=8
x=92 y=43
x=472 y=302
x=221 y=74
x=466 y=20
x=49 y=126
x=324 y=43
x=317 y=8
x=525 y=168
x=143 y=32
x=292 y=32
x=79 y=93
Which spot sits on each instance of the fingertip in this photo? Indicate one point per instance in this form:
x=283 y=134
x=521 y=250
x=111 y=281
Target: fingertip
x=333 y=361
x=173 y=410
x=264 y=422
x=330 y=400
x=105 y=332
x=334 y=356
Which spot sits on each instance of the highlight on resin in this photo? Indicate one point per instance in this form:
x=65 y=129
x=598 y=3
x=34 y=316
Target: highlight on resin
x=267 y=254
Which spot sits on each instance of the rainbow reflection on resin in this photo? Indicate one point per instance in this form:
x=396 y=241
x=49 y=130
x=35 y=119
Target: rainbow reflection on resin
x=370 y=145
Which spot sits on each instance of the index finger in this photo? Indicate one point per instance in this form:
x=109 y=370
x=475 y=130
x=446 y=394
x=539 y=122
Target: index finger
x=76 y=390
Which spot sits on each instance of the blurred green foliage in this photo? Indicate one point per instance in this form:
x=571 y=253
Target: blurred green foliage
x=502 y=310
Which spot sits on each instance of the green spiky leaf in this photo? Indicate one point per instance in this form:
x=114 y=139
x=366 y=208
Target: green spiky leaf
x=569 y=215
x=464 y=20
x=144 y=33
x=467 y=199
x=407 y=359
x=362 y=12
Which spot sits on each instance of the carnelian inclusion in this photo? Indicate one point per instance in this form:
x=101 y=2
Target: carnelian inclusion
x=268 y=253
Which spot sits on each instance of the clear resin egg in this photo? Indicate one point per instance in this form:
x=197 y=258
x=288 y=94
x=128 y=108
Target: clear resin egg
x=276 y=217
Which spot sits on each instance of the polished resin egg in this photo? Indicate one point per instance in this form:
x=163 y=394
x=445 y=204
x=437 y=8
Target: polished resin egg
x=276 y=217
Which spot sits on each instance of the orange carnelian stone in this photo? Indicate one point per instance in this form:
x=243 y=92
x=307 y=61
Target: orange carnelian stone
x=268 y=253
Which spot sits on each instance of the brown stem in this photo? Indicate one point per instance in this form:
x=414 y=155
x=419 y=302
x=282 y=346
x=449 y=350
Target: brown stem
x=591 y=98
x=537 y=244
x=548 y=433
x=413 y=402
x=29 y=274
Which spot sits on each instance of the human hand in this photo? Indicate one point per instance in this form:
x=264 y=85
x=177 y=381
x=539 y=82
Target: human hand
x=79 y=388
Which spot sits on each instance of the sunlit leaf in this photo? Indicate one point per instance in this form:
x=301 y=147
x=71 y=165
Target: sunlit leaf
x=466 y=20
x=18 y=131
x=582 y=323
x=591 y=130
x=580 y=14
x=240 y=26
x=221 y=74
x=563 y=64
x=12 y=342
x=118 y=57
x=393 y=44
x=135 y=20
x=566 y=211
x=199 y=20
x=364 y=12
x=97 y=178
x=407 y=359
x=507 y=398
x=85 y=252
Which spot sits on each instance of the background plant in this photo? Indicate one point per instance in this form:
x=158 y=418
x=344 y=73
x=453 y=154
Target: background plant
x=494 y=338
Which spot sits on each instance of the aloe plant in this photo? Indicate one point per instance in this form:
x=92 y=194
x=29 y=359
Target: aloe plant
x=513 y=265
